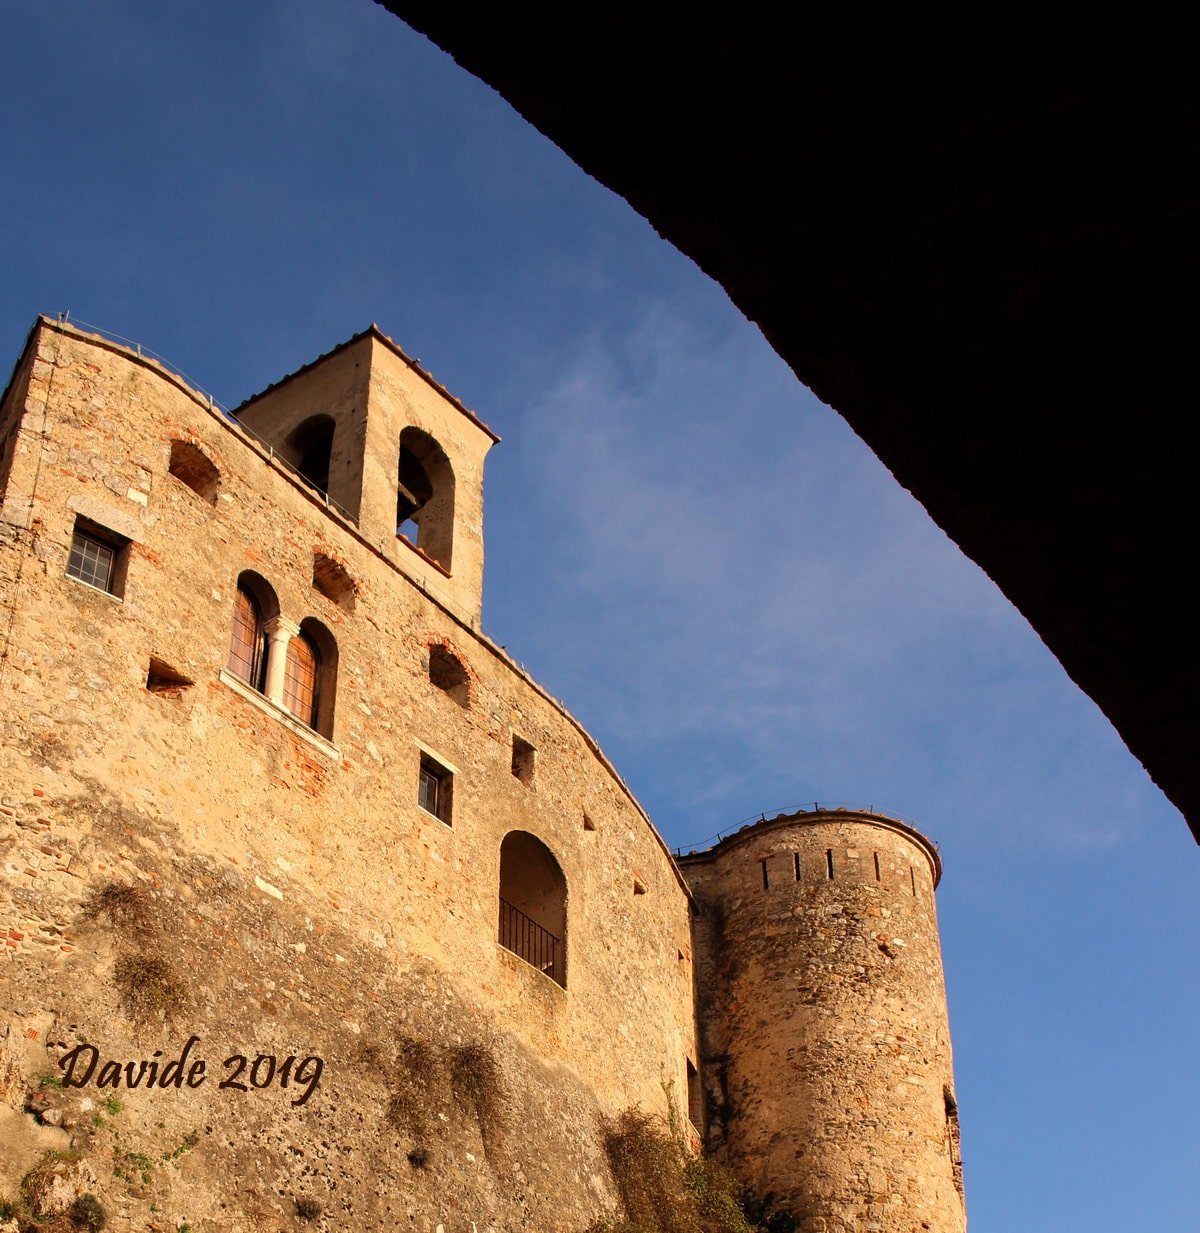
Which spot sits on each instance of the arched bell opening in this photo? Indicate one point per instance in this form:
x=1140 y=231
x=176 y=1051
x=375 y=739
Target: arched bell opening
x=425 y=496
x=309 y=448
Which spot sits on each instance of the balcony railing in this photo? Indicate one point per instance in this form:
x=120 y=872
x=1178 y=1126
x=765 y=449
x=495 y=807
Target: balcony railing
x=537 y=946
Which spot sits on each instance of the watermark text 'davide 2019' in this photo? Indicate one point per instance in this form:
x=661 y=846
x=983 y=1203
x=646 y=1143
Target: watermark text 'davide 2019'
x=83 y=1065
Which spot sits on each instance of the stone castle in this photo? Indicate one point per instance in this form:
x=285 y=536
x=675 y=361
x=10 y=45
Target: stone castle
x=319 y=912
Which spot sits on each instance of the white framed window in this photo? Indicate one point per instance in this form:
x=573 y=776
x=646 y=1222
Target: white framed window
x=98 y=557
x=435 y=788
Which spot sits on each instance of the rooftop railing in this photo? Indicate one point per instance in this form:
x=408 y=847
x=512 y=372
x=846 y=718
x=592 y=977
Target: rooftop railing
x=691 y=849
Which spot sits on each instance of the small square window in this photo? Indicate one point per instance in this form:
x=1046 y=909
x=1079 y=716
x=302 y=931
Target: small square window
x=97 y=557
x=435 y=789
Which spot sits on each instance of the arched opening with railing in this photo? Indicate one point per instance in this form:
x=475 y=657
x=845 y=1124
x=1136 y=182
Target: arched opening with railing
x=533 y=904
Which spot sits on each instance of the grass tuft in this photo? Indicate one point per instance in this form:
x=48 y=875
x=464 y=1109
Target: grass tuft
x=35 y=1211
x=476 y=1083
x=663 y=1189
x=416 y=1088
x=87 y=1213
x=148 y=986
x=128 y=910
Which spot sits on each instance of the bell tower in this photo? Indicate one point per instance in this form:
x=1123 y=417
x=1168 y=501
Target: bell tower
x=376 y=439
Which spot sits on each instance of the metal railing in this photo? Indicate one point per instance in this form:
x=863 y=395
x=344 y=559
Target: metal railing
x=689 y=849
x=273 y=457
x=437 y=592
x=132 y=343
x=526 y=938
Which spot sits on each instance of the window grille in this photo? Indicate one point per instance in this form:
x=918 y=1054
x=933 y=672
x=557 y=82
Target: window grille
x=301 y=673
x=435 y=789
x=91 y=561
x=247 y=660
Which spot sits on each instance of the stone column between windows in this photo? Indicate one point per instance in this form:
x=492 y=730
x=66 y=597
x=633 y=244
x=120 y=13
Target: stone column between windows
x=280 y=631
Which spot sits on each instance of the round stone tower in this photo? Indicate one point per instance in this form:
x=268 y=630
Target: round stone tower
x=825 y=1042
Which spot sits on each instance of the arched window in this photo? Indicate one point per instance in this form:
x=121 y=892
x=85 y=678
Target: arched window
x=308 y=448
x=310 y=678
x=247 y=643
x=254 y=606
x=533 y=904
x=302 y=680
x=294 y=666
x=425 y=496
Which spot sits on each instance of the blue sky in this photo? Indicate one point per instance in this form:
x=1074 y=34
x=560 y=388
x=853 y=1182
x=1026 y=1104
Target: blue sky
x=703 y=561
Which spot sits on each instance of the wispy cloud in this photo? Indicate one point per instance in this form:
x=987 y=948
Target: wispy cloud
x=747 y=608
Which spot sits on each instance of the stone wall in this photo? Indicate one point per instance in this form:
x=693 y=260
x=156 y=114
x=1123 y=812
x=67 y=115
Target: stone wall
x=189 y=860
